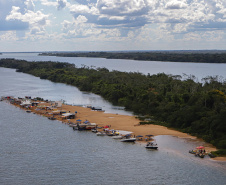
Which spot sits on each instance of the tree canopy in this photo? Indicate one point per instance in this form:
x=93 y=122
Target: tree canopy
x=171 y=56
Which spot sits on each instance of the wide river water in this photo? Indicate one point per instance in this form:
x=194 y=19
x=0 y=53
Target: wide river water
x=35 y=150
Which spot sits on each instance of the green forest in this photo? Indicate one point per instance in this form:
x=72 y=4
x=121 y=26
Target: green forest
x=171 y=56
x=183 y=104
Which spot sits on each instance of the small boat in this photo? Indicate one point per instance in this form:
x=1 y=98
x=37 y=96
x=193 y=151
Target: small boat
x=151 y=145
x=101 y=134
x=81 y=127
x=72 y=125
x=211 y=155
x=192 y=151
x=86 y=125
x=132 y=139
x=94 y=130
x=199 y=152
x=117 y=137
x=200 y=155
x=128 y=138
x=51 y=118
x=75 y=128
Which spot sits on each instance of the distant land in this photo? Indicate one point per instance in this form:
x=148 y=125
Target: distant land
x=199 y=56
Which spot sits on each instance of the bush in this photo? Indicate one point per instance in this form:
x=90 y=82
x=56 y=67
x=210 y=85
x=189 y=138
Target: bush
x=222 y=144
x=221 y=152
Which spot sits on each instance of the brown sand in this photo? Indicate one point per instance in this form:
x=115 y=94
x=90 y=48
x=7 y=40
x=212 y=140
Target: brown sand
x=124 y=122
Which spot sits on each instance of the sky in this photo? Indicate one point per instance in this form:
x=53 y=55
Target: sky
x=112 y=25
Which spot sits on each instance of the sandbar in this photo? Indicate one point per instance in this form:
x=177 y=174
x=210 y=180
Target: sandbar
x=121 y=122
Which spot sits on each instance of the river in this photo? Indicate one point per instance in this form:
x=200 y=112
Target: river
x=199 y=70
x=35 y=150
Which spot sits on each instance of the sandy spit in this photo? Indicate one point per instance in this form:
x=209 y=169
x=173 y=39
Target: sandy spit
x=123 y=122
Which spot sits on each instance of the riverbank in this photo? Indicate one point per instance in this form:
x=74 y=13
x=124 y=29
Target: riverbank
x=116 y=122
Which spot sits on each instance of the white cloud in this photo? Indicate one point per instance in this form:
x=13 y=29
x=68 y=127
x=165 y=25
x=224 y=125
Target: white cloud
x=139 y=21
x=49 y=3
x=175 y=4
x=30 y=17
x=121 y=7
x=80 y=9
x=8 y=36
x=81 y=19
x=194 y=36
x=117 y=18
x=30 y=5
x=37 y=31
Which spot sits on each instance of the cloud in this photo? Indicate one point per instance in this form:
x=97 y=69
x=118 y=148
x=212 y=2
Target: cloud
x=122 y=7
x=61 y=4
x=37 y=18
x=78 y=28
x=30 y=5
x=125 y=13
x=80 y=9
x=20 y=15
x=37 y=31
x=176 y=5
x=115 y=20
x=5 y=8
x=48 y=3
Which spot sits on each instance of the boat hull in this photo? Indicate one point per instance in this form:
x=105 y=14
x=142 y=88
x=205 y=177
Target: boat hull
x=151 y=147
x=129 y=140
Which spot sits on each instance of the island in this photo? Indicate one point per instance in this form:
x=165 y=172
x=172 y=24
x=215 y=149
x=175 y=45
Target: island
x=202 y=56
x=197 y=109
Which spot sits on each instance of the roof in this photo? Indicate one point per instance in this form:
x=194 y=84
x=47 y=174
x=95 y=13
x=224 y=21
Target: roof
x=67 y=114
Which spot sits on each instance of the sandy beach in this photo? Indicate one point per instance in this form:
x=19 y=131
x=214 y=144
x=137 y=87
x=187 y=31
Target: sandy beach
x=120 y=122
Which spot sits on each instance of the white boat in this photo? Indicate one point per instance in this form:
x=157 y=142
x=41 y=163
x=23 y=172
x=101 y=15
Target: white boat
x=101 y=134
x=94 y=130
x=117 y=137
x=151 y=145
x=128 y=138
x=132 y=139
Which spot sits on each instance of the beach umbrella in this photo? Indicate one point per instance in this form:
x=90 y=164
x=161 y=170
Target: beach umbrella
x=86 y=121
x=78 y=120
x=200 y=147
x=106 y=126
x=139 y=136
x=149 y=135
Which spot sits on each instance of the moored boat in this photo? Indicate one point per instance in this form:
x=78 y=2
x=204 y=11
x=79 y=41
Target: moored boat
x=128 y=138
x=117 y=137
x=151 y=145
x=51 y=118
x=86 y=125
x=101 y=134
x=199 y=152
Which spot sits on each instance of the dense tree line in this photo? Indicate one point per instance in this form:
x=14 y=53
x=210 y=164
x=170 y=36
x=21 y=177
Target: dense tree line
x=189 y=106
x=172 y=56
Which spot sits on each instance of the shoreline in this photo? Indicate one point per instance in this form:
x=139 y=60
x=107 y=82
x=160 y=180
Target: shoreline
x=119 y=122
